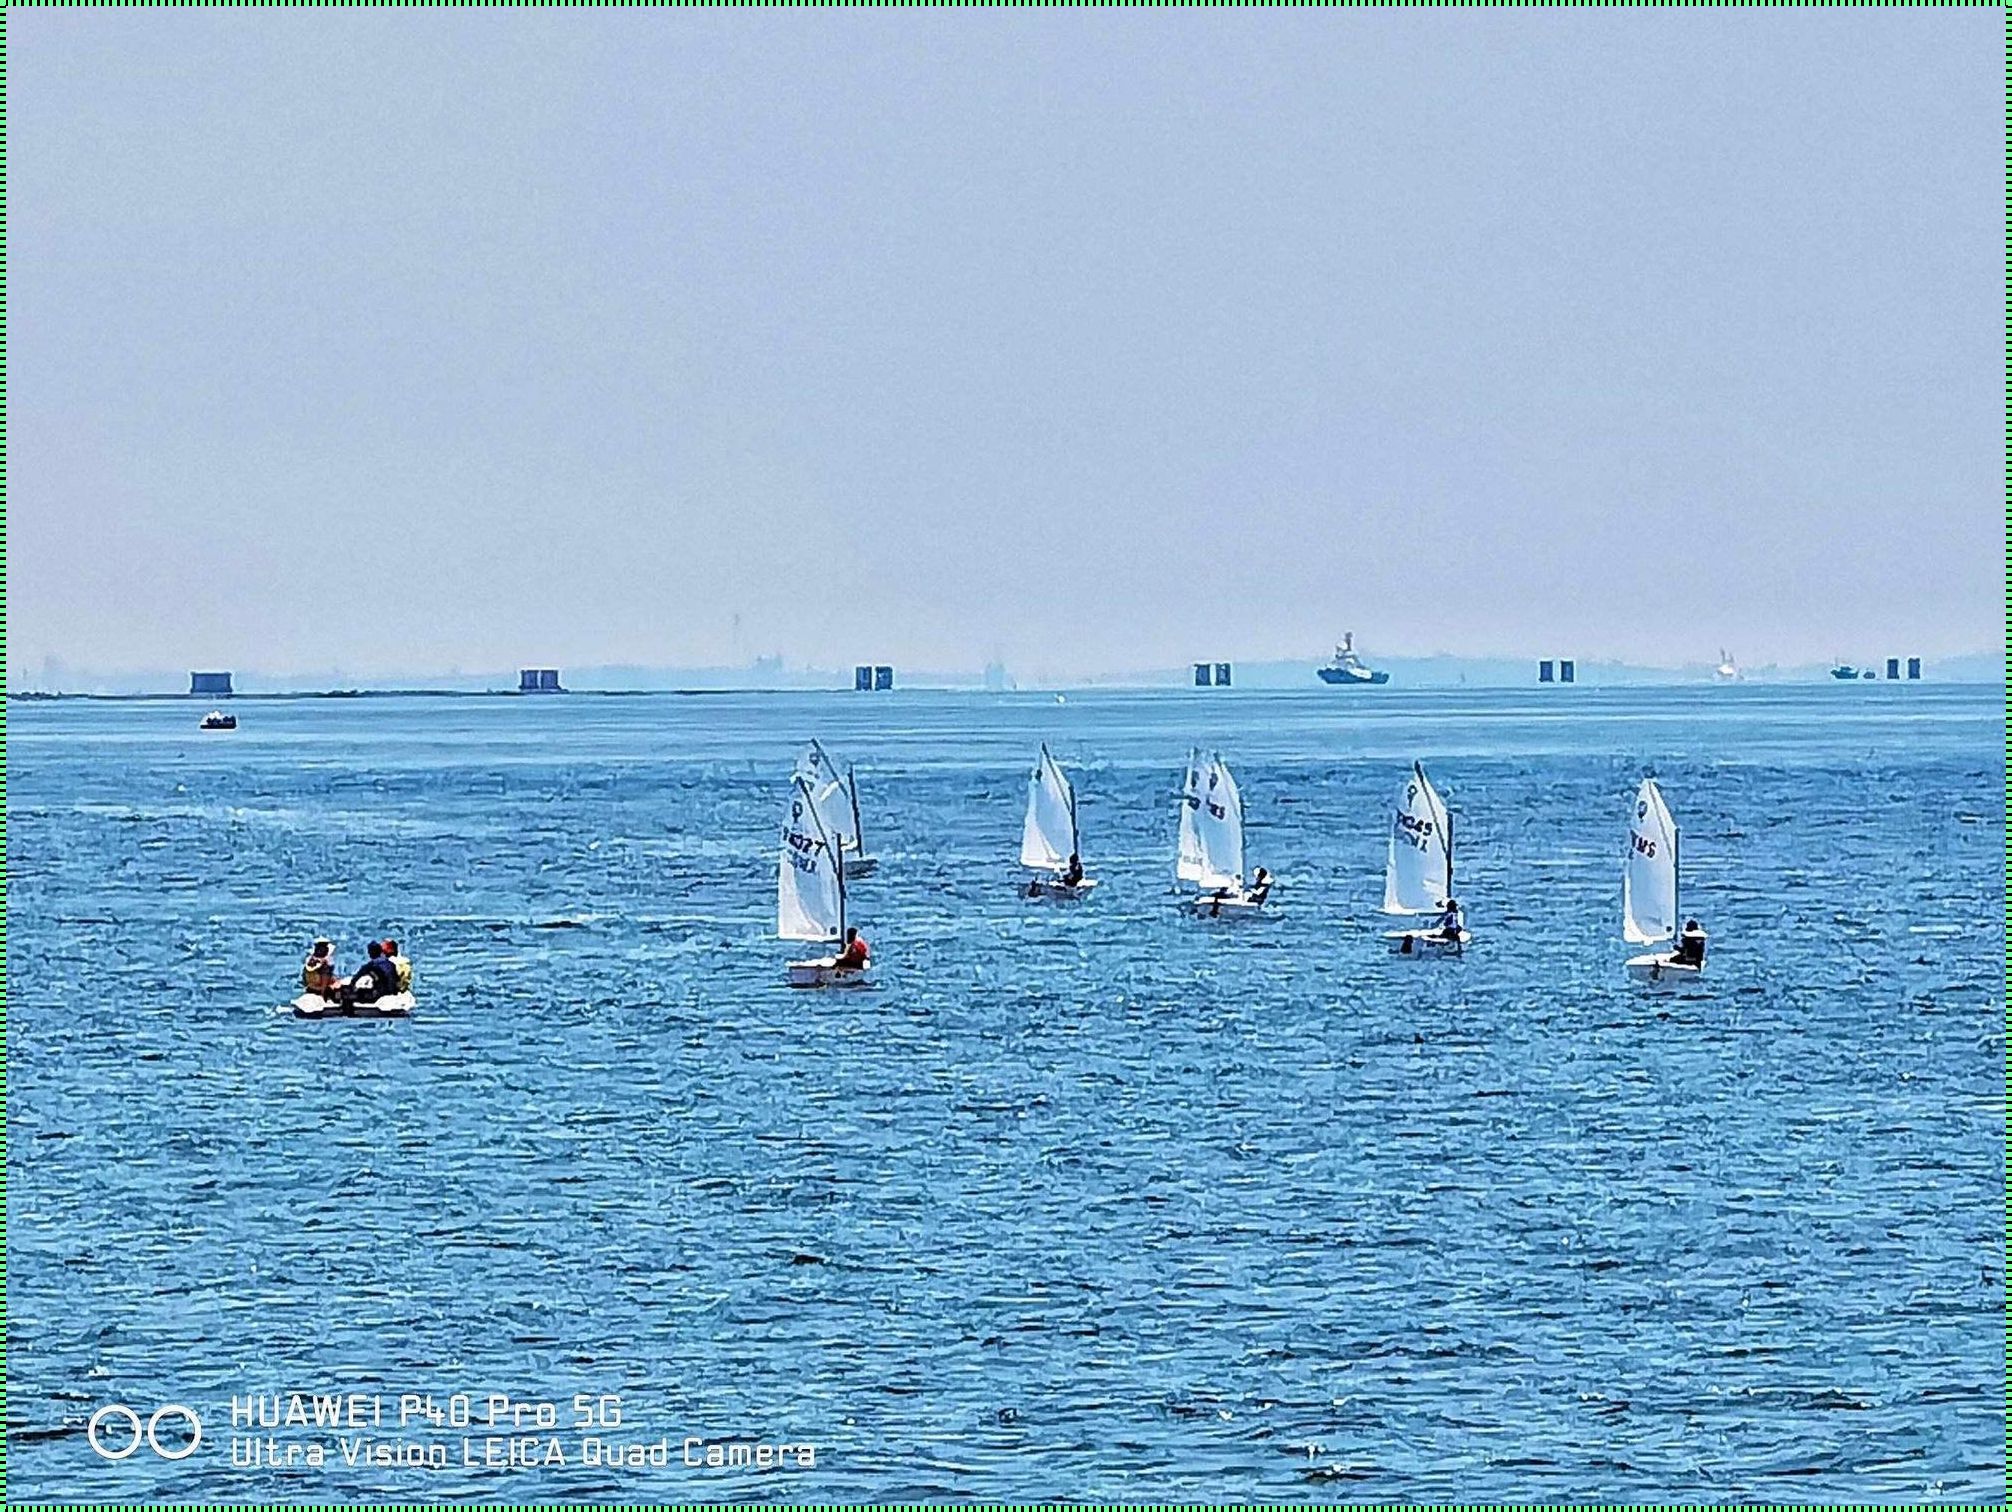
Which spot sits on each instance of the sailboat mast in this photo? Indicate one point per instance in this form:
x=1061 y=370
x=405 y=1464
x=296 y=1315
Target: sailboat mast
x=1676 y=880
x=852 y=791
x=1449 y=853
x=838 y=866
x=1075 y=834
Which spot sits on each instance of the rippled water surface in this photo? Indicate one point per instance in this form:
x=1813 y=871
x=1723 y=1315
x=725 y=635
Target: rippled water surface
x=1088 y=1201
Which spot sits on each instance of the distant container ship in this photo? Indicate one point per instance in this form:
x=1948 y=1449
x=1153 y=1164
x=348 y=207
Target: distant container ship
x=1347 y=670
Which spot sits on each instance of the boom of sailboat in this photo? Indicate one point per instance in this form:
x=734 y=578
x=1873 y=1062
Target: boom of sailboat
x=822 y=851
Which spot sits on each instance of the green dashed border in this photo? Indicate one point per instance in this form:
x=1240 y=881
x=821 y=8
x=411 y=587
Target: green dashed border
x=6 y=5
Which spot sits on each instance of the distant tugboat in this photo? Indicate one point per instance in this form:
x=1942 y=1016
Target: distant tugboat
x=1728 y=670
x=216 y=719
x=1845 y=672
x=1347 y=670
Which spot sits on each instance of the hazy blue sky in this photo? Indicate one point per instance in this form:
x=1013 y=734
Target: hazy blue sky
x=410 y=340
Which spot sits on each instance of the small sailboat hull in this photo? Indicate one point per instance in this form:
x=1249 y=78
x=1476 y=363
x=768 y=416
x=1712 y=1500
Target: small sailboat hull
x=1225 y=906
x=1420 y=944
x=1666 y=969
x=826 y=972
x=311 y=1005
x=1057 y=891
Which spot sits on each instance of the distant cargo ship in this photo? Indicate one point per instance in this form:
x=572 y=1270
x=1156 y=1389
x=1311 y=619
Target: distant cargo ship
x=1347 y=670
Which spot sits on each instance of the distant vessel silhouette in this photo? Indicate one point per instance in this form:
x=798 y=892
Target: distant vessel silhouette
x=1347 y=670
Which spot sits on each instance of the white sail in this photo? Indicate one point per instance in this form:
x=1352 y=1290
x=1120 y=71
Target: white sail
x=1188 y=867
x=1048 y=837
x=1418 y=875
x=809 y=892
x=1649 y=879
x=831 y=790
x=1219 y=827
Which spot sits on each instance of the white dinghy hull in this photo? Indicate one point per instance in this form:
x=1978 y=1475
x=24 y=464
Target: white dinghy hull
x=1059 y=891
x=1233 y=906
x=1663 y=968
x=311 y=1005
x=1422 y=943
x=826 y=973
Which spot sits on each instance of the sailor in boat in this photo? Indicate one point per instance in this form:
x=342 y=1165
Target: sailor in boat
x=1690 y=949
x=1452 y=924
x=1260 y=886
x=317 y=972
x=401 y=968
x=856 y=956
x=376 y=978
x=1070 y=876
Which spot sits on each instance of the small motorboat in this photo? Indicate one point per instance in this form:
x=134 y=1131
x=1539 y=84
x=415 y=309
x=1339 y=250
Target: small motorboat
x=312 y=1005
x=1845 y=672
x=216 y=719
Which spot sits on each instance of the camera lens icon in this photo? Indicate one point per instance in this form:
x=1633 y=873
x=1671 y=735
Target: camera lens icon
x=116 y=1431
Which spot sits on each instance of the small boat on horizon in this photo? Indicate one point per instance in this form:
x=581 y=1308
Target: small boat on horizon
x=1846 y=672
x=1727 y=671
x=1347 y=669
x=216 y=719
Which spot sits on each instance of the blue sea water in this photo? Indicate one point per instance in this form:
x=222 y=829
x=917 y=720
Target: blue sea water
x=1093 y=1201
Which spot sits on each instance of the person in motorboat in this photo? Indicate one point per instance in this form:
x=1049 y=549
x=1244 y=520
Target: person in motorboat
x=1451 y=924
x=401 y=968
x=1691 y=945
x=1073 y=874
x=856 y=955
x=317 y=972
x=1260 y=885
x=375 y=978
